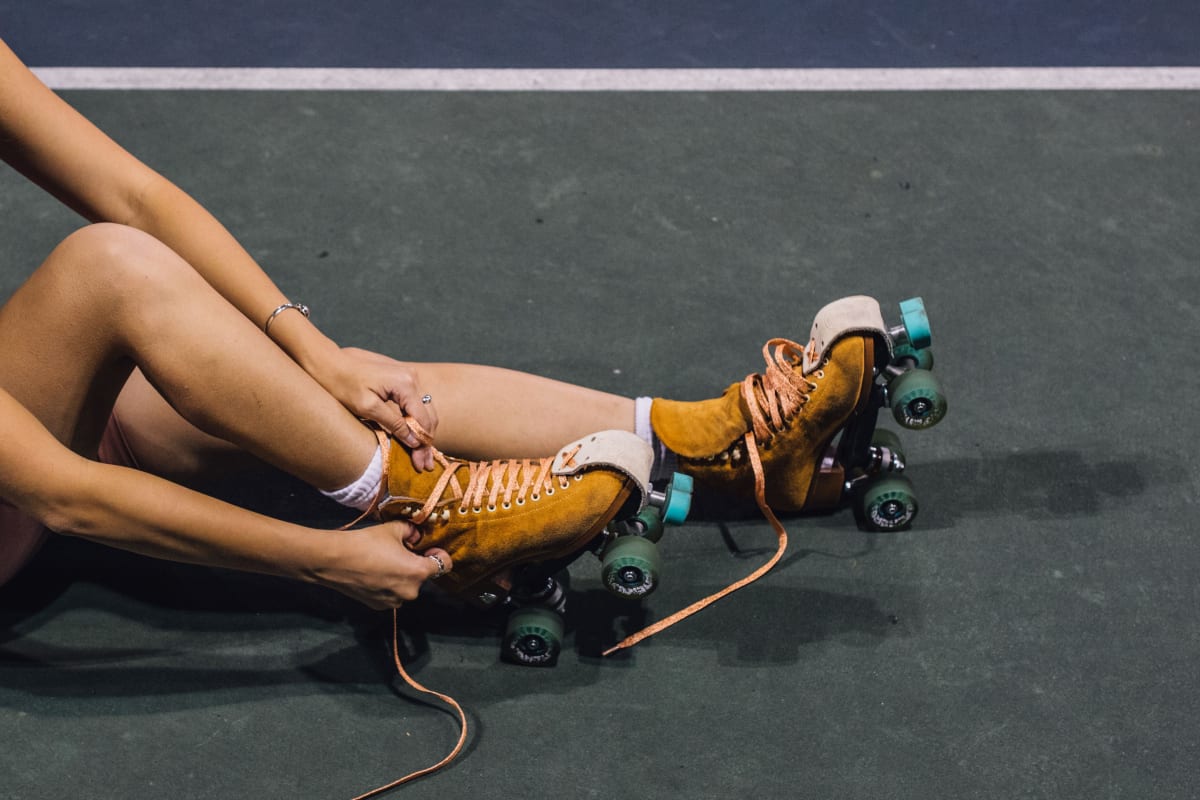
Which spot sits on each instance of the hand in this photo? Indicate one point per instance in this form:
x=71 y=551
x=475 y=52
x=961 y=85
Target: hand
x=376 y=566
x=381 y=389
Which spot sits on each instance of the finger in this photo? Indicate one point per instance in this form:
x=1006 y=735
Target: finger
x=419 y=418
x=439 y=562
x=423 y=459
x=431 y=416
x=390 y=417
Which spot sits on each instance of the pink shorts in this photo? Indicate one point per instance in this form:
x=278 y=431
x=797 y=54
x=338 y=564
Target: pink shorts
x=21 y=535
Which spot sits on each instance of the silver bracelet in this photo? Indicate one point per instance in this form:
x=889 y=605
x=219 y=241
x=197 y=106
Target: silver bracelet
x=303 y=309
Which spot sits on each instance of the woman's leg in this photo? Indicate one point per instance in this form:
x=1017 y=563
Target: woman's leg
x=483 y=413
x=488 y=412
x=155 y=438
x=110 y=297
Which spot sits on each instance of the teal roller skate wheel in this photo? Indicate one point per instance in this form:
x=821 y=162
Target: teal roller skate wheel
x=533 y=637
x=922 y=357
x=679 y=499
x=631 y=567
x=916 y=322
x=916 y=399
x=889 y=504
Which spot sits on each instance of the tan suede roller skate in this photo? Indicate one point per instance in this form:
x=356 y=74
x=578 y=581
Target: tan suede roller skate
x=775 y=432
x=510 y=525
x=801 y=436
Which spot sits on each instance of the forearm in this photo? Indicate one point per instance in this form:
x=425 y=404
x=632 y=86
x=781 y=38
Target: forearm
x=134 y=511
x=143 y=513
x=56 y=147
x=170 y=215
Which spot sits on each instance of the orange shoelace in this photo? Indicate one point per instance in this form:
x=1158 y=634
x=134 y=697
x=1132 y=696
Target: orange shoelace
x=774 y=398
x=508 y=482
x=385 y=444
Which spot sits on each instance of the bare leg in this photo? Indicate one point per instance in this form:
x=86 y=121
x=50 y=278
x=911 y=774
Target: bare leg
x=483 y=413
x=164 y=443
x=109 y=298
x=489 y=412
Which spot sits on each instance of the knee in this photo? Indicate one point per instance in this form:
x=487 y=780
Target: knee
x=115 y=263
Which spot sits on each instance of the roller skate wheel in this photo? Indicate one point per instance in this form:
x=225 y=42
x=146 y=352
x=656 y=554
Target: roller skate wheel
x=650 y=522
x=916 y=399
x=631 y=567
x=885 y=438
x=923 y=357
x=916 y=322
x=889 y=504
x=677 y=502
x=533 y=637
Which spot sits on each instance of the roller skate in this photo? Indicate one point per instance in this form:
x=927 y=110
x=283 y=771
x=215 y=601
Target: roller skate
x=801 y=437
x=772 y=436
x=509 y=525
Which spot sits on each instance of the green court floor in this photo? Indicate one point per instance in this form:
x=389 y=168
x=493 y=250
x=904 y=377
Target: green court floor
x=1034 y=635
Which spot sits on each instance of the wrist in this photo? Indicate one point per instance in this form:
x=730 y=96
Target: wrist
x=303 y=341
x=299 y=308
x=315 y=558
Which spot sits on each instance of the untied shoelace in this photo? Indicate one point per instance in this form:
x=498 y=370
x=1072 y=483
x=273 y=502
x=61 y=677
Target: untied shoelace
x=773 y=399
x=509 y=481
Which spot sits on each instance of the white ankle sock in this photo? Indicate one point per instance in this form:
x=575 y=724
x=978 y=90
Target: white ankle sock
x=361 y=493
x=665 y=461
x=641 y=419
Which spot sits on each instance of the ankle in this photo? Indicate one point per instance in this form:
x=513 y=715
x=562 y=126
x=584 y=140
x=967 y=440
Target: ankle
x=362 y=491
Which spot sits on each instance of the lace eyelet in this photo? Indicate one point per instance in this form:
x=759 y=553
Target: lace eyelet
x=520 y=501
x=535 y=497
x=462 y=510
x=477 y=510
x=491 y=508
x=506 y=506
x=578 y=478
x=549 y=491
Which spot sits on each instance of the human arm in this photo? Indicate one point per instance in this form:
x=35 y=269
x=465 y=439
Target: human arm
x=135 y=511
x=53 y=145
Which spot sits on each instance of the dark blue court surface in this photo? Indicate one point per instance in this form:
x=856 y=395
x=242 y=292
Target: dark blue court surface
x=1034 y=636
x=579 y=33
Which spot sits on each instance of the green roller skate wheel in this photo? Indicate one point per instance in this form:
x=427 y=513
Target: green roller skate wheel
x=679 y=499
x=916 y=399
x=885 y=438
x=916 y=322
x=631 y=567
x=533 y=637
x=922 y=357
x=889 y=504
x=651 y=523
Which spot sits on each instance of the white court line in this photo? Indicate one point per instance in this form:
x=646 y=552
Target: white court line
x=626 y=80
